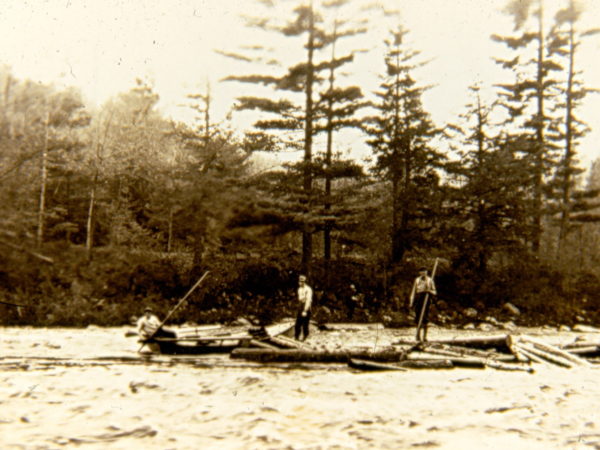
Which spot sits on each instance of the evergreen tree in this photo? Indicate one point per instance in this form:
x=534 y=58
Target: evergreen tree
x=526 y=100
x=564 y=44
x=401 y=136
x=289 y=114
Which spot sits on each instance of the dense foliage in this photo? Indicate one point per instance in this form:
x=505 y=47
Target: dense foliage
x=103 y=211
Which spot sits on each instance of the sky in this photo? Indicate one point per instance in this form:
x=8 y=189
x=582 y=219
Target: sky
x=102 y=46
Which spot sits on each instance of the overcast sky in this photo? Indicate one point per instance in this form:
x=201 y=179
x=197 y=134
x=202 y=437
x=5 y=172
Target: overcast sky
x=102 y=46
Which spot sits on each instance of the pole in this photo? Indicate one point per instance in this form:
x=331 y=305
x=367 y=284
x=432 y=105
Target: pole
x=424 y=307
x=174 y=309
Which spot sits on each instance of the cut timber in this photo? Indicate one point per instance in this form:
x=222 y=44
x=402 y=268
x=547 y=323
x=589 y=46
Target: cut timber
x=362 y=364
x=555 y=351
x=495 y=341
x=286 y=342
x=427 y=364
x=531 y=350
x=474 y=363
x=510 y=367
x=512 y=345
x=262 y=344
x=353 y=326
x=297 y=355
x=590 y=350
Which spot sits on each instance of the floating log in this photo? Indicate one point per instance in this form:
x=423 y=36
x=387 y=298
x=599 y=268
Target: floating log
x=514 y=349
x=262 y=344
x=510 y=367
x=353 y=326
x=590 y=351
x=299 y=355
x=498 y=342
x=286 y=342
x=426 y=364
x=554 y=351
x=474 y=363
x=362 y=364
x=532 y=352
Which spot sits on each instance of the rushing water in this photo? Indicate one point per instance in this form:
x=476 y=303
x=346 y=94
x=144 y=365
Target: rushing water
x=63 y=388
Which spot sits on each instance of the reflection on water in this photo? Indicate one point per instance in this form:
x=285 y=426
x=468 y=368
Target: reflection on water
x=74 y=387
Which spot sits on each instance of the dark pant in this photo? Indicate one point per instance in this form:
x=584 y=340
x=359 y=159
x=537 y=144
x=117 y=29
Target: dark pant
x=162 y=333
x=301 y=326
x=418 y=305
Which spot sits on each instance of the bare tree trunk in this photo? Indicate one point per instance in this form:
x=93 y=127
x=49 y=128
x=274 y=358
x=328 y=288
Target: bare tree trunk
x=44 y=182
x=308 y=132
x=170 y=231
x=568 y=159
x=89 y=238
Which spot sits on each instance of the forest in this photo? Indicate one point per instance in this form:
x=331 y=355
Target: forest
x=106 y=210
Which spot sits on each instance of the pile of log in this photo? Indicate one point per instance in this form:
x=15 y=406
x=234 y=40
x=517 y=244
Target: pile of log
x=500 y=352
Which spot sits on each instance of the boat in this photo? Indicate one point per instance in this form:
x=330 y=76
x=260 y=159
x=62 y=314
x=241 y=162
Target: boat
x=207 y=339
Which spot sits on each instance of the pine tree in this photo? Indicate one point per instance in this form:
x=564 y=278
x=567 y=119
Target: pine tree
x=565 y=42
x=526 y=100
x=401 y=137
x=485 y=206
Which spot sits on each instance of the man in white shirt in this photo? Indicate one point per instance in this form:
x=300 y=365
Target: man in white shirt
x=305 y=295
x=421 y=297
x=148 y=326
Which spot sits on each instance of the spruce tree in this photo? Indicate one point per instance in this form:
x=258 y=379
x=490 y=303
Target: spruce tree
x=401 y=136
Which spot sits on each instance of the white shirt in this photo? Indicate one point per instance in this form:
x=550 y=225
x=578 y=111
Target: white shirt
x=305 y=295
x=146 y=326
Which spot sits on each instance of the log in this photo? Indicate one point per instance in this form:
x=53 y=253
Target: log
x=455 y=350
x=426 y=364
x=299 y=355
x=555 y=351
x=590 y=350
x=362 y=364
x=510 y=367
x=529 y=350
x=495 y=341
x=286 y=342
x=354 y=326
x=475 y=363
x=529 y=355
x=262 y=344
x=512 y=345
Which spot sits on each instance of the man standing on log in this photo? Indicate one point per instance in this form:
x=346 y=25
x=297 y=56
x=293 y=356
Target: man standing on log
x=305 y=295
x=421 y=297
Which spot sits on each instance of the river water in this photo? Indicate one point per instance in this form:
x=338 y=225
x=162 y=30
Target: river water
x=89 y=388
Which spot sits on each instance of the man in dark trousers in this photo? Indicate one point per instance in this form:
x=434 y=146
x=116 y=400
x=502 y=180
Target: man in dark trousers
x=423 y=289
x=305 y=296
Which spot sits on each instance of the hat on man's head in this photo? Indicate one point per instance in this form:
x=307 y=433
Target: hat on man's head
x=423 y=269
x=147 y=309
x=302 y=278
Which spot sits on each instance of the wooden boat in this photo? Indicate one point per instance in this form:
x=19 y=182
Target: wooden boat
x=208 y=339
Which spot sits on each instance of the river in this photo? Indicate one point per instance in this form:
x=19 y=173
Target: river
x=89 y=388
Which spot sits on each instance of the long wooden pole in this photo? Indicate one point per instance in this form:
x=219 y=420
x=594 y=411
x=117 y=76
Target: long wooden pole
x=175 y=309
x=424 y=306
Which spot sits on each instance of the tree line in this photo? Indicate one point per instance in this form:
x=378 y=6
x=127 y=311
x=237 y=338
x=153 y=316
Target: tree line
x=128 y=203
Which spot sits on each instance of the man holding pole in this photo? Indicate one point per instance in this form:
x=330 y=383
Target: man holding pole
x=420 y=298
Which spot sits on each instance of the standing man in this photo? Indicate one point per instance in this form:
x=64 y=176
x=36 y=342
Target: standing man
x=305 y=296
x=421 y=297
